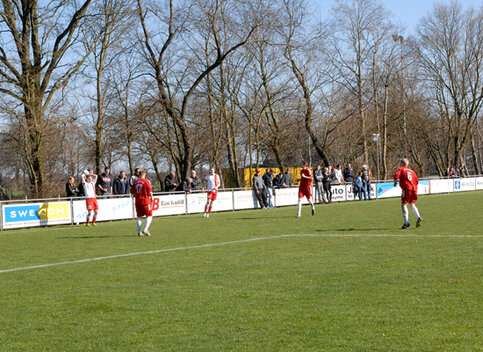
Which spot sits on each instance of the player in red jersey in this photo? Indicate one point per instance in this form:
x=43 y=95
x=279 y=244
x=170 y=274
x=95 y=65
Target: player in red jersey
x=214 y=183
x=143 y=193
x=89 y=183
x=408 y=181
x=304 y=188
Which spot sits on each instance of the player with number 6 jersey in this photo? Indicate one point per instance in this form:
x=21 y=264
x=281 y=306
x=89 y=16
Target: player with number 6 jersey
x=408 y=181
x=143 y=193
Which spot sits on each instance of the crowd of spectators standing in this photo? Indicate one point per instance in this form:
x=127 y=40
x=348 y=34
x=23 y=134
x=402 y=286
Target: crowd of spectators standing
x=454 y=172
x=263 y=186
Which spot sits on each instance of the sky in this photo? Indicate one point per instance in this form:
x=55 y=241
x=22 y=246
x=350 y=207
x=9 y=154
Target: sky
x=407 y=13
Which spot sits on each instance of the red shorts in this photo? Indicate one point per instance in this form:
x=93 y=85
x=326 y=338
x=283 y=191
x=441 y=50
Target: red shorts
x=409 y=197
x=91 y=204
x=144 y=210
x=212 y=195
x=305 y=192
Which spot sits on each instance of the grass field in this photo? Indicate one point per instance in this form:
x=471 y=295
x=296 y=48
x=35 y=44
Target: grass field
x=347 y=279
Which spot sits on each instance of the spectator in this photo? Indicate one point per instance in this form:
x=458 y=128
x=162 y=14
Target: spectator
x=349 y=174
x=366 y=180
x=359 y=187
x=170 y=182
x=463 y=171
x=134 y=177
x=259 y=189
x=121 y=184
x=70 y=188
x=333 y=179
x=187 y=185
x=319 y=187
x=452 y=172
x=327 y=196
x=287 y=179
x=339 y=178
x=105 y=182
x=278 y=180
x=195 y=181
x=268 y=182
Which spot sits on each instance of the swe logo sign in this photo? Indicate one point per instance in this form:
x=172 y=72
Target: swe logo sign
x=36 y=214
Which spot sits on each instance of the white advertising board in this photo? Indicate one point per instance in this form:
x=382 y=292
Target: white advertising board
x=424 y=187
x=109 y=209
x=479 y=182
x=338 y=193
x=287 y=196
x=464 y=184
x=196 y=202
x=35 y=214
x=441 y=186
x=244 y=200
x=171 y=204
x=224 y=201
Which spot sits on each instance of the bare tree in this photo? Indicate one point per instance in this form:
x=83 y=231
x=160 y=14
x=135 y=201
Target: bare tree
x=451 y=54
x=38 y=57
x=168 y=83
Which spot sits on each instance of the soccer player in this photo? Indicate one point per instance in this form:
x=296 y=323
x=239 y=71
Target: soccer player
x=213 y=184
x=408 y=181
x=304 y=188
x=89 y=184
x=143 y=193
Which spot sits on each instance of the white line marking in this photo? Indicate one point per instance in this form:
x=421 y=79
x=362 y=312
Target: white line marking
x=226 y=243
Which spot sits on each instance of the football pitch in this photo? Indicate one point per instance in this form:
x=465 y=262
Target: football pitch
x=346 y=279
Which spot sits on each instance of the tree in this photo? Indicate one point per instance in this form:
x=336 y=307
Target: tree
x=451 y=57
x=175 y=85
x=38 y=57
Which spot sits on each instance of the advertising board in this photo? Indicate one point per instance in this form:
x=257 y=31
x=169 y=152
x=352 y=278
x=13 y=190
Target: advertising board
x=464 y=184
x=479 y=183
x=287 y=196
x=109 y=209
x=35 y=214
x=244 y=200
x=171 y=204
x=440 y=186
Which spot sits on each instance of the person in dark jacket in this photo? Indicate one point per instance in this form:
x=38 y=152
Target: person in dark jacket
x=104 y=182
x=195 y=181
x=348 y=174
x=278 y=181
x=170 y=183
x=121 y=184
x=327 y=187
x=268 y=182
x=70 y=188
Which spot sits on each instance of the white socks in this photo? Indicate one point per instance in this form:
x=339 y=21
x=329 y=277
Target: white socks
x=405 y=213
x=148 y=222
x=299 y=208
x=415 y=210
x=139 y=223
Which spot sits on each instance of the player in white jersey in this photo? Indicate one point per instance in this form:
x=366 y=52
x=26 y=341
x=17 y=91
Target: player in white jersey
x=214 y=182
x=89 y=183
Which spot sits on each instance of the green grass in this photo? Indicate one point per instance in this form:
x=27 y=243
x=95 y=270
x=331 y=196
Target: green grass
x=280 y=294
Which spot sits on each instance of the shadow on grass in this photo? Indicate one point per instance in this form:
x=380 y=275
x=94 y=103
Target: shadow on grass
x=356 y=230
x=94 y=236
